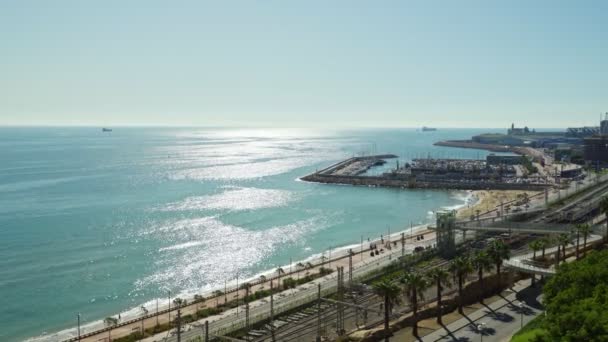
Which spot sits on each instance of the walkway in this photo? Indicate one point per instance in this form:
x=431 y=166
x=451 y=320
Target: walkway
x=524 y=263
x=499 y=320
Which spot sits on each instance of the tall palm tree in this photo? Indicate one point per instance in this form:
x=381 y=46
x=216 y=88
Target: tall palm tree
x=562 y=240
x=535 y=247
x=498 y=251
x=441 y=278
x=415 y=284
x=300 y=266
x=111 y=322
x=144 y=312
x=577 y=231
x=390 y=292
x=460 y=267
x=585 y=229
x=604 y=210
x=481 y=262
x=543 y=245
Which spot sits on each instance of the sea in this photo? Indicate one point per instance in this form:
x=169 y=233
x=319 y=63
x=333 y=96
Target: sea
x=100 y=223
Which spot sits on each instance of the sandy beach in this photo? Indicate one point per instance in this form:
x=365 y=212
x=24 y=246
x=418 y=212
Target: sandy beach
x=489 y=200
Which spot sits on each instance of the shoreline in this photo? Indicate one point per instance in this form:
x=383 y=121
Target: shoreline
x=337 y=254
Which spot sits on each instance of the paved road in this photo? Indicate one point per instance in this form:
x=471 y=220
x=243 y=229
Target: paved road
x=500 y=319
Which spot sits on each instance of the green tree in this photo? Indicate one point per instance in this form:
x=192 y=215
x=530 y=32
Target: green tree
x=110 y=322
x=585 y=230
x=543 y=243
x=563 y=240
x=498 y=251
x=535 y=247
x=460 y=268
x=576 y=300
x=389 y=291
x=441 y=278
x=604 y=210
x=481 y=262
x=414 y=284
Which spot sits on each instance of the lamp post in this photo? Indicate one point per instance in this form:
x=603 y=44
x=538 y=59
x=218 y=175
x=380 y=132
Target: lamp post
x=79 y=326
x=169 y=307
x=480 y=330
x=521 y=314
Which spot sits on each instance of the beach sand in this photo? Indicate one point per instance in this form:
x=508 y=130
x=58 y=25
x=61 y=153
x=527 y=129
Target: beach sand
x=488 y=200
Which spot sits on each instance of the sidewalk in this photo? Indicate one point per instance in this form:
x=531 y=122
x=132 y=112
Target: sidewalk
x=500 y=319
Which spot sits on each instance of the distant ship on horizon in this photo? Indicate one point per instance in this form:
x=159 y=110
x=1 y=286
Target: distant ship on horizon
x=106 y=129
x=428 y=129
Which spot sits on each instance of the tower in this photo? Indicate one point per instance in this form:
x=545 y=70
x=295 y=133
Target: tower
x=446 y=237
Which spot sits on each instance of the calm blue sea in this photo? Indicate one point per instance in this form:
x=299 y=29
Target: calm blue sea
x=99 y=223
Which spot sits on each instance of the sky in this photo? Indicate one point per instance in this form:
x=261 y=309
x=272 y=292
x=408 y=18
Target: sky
x=303 y=63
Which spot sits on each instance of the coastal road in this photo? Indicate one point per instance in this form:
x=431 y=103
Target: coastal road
x=497 y=321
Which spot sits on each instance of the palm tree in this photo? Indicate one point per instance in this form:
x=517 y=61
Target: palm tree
x=604 y=210
x=262 y=281
x=460 y=267
x=299 y=266
x=415 y=285
x=481 y=262
x=110 y=322
x=535 y=247
x=217 y=294
x=585 y=229
x=179 y=302
x=543 y=245
x=390 y=292
x=498 y=251
x=562 y=240
x=577 y=230
x=440 y=277
x=144 y=312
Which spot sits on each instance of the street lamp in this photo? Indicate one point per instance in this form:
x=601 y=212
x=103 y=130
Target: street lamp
x=79 y=326
x=480 y=330
x=521 y=312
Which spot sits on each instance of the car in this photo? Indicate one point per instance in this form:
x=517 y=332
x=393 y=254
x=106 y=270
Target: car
x=418 y=249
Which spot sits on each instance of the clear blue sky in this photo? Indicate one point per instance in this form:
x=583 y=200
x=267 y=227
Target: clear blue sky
x=303 y=63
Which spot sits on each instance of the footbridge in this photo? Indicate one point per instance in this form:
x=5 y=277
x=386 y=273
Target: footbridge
x=525 y=263
x=516 y=227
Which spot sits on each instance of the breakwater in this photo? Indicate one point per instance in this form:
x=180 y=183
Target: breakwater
x=475 y=145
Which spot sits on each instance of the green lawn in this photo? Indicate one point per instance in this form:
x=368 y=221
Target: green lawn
x=530 y=331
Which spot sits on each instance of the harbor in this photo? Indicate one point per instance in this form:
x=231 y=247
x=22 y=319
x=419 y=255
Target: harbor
x=494 y=173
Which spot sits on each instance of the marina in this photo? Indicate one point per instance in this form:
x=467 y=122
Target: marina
x=429 y=173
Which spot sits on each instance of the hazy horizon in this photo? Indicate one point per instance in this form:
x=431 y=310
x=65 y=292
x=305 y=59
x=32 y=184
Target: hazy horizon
x=309 y=64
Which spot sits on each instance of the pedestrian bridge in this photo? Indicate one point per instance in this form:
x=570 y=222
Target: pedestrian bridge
x=516 y=227
x=524 y=263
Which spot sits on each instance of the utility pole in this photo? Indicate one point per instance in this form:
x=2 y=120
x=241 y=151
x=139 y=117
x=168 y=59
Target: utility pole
x=179 y=324
x=340 y=311
x=402 y=244
x=78 y=326
x=272 y=311
x=350 y=268
x=237 y=295
x=247 y=307
x=206 y=331
x=318 y=313
x=157 y=312
x=361 y=247
x=169 y=308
